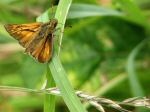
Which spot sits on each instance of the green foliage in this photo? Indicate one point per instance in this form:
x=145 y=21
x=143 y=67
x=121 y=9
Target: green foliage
x=106 y=53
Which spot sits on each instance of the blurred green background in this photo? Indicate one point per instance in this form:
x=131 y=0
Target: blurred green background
x=105 y=55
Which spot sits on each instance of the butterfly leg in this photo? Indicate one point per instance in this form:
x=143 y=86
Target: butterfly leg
x=59 y=29
x=58 y=42
x=57 y=35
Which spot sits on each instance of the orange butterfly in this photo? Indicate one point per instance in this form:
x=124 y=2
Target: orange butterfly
x=36 y=38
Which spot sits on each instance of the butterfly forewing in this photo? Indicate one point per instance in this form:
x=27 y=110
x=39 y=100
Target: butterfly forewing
x=24 y=33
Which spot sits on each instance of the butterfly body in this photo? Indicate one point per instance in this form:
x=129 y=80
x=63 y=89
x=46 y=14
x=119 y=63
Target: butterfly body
x=36 y=38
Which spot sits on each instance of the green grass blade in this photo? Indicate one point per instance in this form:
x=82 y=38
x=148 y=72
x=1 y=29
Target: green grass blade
x=88 y=10
x=134 y=83
x=62 y=82
x=56 y=68
x=49 y=100
x=133 y=12
x=61 y=15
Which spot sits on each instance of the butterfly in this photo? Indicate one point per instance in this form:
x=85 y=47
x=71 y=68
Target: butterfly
x=36 y=38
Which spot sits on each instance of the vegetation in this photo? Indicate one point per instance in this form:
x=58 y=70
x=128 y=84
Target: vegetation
x=105 y=53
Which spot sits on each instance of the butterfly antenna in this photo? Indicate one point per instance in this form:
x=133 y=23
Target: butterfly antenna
x=52 y=9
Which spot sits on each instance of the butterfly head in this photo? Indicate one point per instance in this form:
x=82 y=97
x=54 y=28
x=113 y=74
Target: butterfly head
x=53 y=23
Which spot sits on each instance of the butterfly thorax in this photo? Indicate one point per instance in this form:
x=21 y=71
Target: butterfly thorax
x=51 y=25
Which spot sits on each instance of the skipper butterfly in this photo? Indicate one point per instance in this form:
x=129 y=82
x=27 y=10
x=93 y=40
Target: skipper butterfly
x=36 y=38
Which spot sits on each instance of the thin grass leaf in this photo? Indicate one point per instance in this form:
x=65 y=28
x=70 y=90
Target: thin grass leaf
x=136 y=88
x=133 y=12
x=49 y=100
x=111 y=84
x=62 y=82
x=86 y=10
x=56 y=68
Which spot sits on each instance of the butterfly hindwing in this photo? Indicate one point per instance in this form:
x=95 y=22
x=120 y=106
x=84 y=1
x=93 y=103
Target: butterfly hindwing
x=43 y=52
